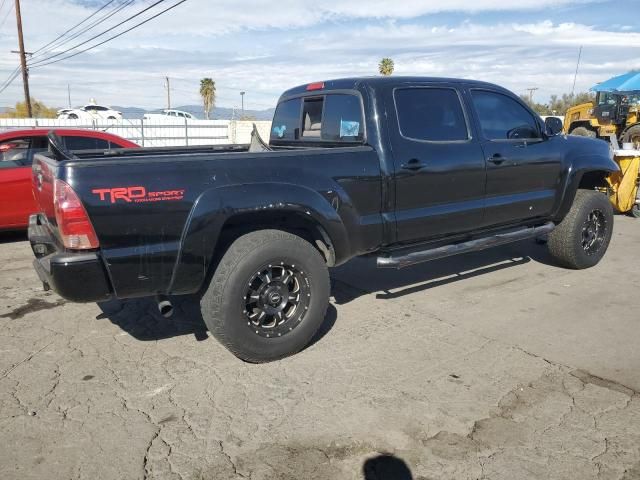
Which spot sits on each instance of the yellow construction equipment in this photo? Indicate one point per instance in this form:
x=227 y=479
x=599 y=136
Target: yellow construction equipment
x=612 y=113
x=623 y=185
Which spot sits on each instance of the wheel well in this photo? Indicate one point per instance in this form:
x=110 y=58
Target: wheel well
x=593 y=180
x=629 y=127
x=581 y=123
x=291 y=222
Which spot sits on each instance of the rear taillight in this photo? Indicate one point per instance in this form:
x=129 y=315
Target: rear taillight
x=73 y=222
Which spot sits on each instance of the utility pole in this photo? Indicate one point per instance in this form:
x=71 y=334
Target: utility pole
x=23 y=61
x=575 y=77
x=69 y=94
x=242 y=97
x=531 y=90
x=167 y=85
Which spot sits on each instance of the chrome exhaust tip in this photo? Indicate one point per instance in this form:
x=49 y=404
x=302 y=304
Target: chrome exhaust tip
x=165 y=307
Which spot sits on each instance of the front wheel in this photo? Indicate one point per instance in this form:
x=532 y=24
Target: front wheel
x=268 y=296
x=581 y=239
x=583 y=132
x=632 y=135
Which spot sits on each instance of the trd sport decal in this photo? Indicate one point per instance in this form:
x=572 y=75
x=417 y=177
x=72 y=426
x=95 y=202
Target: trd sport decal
x=136 y=195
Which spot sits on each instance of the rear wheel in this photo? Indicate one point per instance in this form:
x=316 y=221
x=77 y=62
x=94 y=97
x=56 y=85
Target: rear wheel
x=581 y=239
x=632 y=135
x=583 y=132
x=72 y=116
x=268 y=296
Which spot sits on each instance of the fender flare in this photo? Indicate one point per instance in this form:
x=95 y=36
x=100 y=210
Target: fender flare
x=216 y=206
x=580 y=166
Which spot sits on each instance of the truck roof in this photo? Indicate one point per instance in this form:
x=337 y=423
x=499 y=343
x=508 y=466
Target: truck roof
x=351 y=83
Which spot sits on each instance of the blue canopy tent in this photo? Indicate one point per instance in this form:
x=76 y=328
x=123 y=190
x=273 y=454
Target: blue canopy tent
x=622 y=83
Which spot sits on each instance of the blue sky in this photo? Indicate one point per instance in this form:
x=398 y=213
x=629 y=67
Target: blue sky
x=263 y=47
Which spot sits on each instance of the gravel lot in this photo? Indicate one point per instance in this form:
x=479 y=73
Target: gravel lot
x=494 y=365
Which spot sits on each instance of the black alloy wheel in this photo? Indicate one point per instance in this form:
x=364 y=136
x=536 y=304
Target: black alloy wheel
x=593 y=232
x=276 y=299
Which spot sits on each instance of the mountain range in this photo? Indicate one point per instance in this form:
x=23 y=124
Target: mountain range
x=218 y=113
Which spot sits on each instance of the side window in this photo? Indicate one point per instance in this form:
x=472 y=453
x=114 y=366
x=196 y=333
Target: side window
x=432 y=114
x=502 y=118
x=86 y=143
x=286 y=120
x=342 y=120
x=15 y=153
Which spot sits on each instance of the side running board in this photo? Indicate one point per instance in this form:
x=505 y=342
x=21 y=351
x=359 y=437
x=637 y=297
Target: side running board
x=401 y=260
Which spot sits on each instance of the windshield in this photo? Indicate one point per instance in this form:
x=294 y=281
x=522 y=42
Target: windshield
x=607 y=98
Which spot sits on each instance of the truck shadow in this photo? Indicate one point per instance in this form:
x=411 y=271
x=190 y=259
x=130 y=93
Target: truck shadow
x=386 y=467
x=360 y=276
x=140 y=318
x=12 y=236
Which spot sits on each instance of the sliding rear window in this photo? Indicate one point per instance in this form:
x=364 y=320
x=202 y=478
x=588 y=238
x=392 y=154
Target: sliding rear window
x=335 y=118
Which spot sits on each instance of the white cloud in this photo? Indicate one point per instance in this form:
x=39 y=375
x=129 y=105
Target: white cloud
x=263 y=48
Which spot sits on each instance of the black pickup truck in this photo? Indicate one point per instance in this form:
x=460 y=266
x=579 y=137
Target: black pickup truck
x=406 y=169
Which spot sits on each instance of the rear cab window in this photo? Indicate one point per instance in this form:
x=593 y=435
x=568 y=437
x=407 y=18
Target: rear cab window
x=333 y=118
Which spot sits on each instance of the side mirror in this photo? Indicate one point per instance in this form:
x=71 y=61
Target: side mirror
x=553 y=126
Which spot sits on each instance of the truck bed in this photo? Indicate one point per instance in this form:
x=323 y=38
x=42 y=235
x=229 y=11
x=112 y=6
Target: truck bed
x=158 y=212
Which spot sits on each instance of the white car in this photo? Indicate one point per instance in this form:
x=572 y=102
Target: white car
x=90 y=112
x=169 y=114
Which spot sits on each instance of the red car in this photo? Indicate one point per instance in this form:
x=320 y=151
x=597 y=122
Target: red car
x=17 y=148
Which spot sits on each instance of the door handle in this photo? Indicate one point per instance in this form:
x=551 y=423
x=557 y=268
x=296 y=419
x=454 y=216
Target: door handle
x=414 y=164
x=496 y=159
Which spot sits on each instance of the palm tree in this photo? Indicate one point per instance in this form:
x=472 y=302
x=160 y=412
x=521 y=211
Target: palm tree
x=386 y=66
x=208 y=94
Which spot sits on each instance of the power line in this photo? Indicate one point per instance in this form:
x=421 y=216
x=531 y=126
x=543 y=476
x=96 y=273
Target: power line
x=10 y=79
x=93 y=24
x=11 y=7
x=46 y=61
x=575 y=77
x=74 y=27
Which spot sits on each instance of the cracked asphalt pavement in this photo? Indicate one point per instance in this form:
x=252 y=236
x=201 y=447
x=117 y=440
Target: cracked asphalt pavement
x=494 y=365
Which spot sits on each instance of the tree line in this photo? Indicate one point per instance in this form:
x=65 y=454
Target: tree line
x=558 y=105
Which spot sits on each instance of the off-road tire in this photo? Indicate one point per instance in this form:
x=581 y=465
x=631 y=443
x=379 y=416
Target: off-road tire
x=223 y=305
x=632 y=135
x=583 y=132
x=566 y=240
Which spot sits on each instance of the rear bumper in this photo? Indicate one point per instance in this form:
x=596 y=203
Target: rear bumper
x=76 y=276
